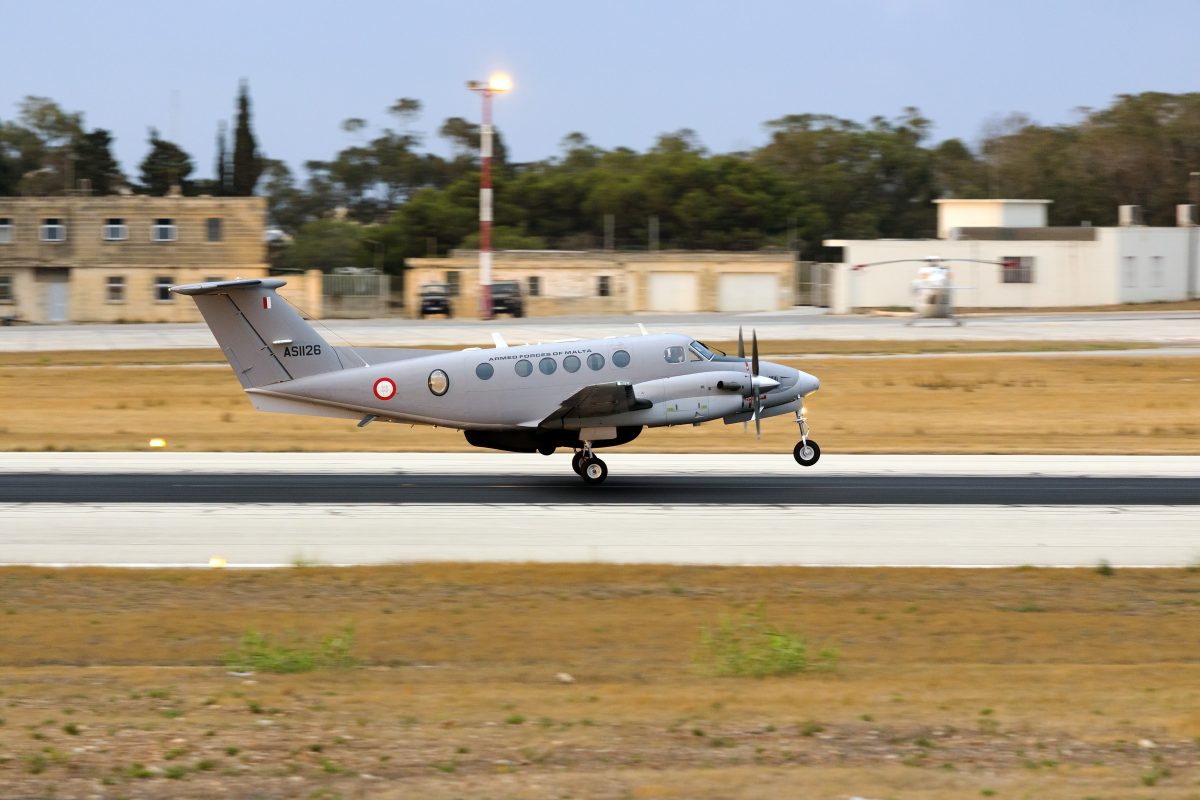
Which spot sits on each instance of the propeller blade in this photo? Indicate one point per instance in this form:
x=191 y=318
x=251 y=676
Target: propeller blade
x=754 y=357
x=757 y=420
x=741 y=344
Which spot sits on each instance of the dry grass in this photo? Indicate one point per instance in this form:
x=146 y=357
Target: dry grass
x=1003 y=404
x=1029 y=683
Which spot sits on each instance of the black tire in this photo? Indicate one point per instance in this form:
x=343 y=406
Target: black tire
x=806 y=459
x=593 y=471
x=546 y=449
x=576 y=463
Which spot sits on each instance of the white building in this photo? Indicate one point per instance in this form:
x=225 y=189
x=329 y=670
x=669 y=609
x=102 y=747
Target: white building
x=1047 y=267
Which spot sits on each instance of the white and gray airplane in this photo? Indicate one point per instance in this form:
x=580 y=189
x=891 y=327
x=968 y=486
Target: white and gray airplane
x=580 y=394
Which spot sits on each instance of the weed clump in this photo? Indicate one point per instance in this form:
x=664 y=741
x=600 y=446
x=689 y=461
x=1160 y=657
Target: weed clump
x=259 y=652
x=749 y=646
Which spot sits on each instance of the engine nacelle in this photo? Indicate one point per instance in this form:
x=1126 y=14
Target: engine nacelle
x=702 y=384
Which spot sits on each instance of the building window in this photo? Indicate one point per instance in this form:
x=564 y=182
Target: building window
x=1156 y=271
x=114 y=289
x=163 y=230
x=162 y=289
x=213 y=230
x=452 y=281
x=6 y=230
x=213 y=279
x=603 y=286
x=1016 y=269
x=535 y=286
x=115 y=230
x=53 y=230
x=6 y=288
x=1130 y=272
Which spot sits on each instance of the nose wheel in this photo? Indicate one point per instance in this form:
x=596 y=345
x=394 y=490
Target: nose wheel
x=806 y=453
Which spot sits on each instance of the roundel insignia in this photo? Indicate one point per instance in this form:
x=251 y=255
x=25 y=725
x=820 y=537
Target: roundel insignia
x=385 y=389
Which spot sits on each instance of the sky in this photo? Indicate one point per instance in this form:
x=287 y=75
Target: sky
x=620 y=71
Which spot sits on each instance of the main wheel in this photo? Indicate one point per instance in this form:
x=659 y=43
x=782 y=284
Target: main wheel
x=576 y=462
x=546 y=449
x=806 y=453
x=593 y=471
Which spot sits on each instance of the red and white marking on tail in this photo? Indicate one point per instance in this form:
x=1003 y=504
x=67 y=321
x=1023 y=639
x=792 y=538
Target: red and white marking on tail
x=267 y=303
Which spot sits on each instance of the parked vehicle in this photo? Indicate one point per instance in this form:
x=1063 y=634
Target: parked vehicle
x=506 y=298
x=435 y=299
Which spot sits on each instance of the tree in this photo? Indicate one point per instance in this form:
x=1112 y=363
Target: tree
x=247 y=162
x=166 y=165
x=94 y=162
x=327 y=244
x=223 y=182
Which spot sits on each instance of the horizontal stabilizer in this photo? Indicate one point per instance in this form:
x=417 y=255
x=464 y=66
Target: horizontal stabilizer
x=224 y=287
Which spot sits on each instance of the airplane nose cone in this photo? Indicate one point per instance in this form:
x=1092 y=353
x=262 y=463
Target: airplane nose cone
x=807 y=384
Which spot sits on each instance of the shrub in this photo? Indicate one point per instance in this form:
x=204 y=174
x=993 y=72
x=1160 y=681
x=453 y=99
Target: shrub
x=258 y=652
x=749 y=646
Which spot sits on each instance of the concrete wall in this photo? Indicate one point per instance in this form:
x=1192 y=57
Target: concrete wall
x=1122 y=265
x=86 y=261
x=569 y=281
x=954 y=213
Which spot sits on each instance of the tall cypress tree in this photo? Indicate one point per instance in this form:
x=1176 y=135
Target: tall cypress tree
x=247 y=163
x=222 y=181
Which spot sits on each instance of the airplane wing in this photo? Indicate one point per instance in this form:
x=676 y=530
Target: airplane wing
x=597 y=400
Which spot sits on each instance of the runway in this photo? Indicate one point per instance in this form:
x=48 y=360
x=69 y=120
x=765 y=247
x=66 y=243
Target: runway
x=278 y=509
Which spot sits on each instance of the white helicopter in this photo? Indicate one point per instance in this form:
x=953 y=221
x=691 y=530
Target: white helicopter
x=933 y=288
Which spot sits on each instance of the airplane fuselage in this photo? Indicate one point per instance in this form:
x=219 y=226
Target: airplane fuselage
x=518 y=387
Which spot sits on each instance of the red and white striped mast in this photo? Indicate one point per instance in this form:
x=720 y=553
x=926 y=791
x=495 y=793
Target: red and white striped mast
x=497 y=84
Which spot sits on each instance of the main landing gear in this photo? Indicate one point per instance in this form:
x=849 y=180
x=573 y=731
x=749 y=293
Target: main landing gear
x=588 y=467
x=806 y=452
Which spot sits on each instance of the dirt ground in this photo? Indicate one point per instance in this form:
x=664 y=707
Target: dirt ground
x=986 y=404
x=592 y=681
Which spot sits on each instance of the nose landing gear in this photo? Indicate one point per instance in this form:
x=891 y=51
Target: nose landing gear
x=806 y=452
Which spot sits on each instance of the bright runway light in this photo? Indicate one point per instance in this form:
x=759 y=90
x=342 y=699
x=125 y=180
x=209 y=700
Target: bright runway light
x=217 y=562
x=500 y=82
x=156 y=442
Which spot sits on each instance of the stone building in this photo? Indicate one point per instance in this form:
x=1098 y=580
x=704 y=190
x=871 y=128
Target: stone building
x=586 y=282
x=112 y=258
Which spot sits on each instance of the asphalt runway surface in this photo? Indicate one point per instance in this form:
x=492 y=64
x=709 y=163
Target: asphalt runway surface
x=266 y=510
x=804 y=488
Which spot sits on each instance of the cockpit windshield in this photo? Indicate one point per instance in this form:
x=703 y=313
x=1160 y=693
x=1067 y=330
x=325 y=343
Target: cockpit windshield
x=704 y=351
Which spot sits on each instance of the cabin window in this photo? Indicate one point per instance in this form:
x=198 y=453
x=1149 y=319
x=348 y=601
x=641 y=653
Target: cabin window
x=524 y=368
x=548 y=366
x=571 y=363
x=484 y=371
x=595 y=361
x=439 y=382
x=621 y=358
x=674 y=354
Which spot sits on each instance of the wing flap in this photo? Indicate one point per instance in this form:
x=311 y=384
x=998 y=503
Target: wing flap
x=597 y=400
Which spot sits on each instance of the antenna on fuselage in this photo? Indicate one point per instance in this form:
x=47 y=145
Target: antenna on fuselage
x=642 y=328
x=498 y=340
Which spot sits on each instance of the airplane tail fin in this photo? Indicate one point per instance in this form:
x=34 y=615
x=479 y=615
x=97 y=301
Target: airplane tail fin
x=262 y=336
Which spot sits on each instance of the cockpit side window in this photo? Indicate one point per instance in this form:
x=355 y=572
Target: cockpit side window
x=699 y=349
x=674 y=354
